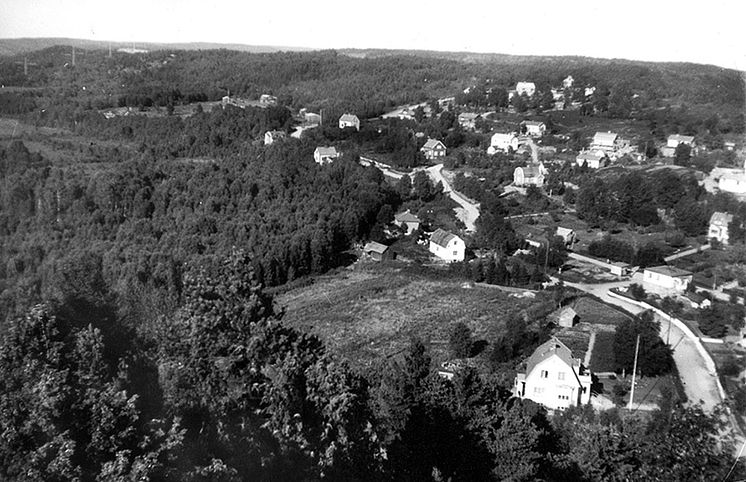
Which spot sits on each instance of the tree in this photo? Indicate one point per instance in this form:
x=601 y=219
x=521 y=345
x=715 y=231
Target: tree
x=460 y=341
x=682 y=154
x=654 y=356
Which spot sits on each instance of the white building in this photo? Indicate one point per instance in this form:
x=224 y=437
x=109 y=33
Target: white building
x=554 y=378
x=567 y=83
x=719 y=223
x=503 y=142
x=468 y=120
x=734 y=182
x=433 y=149
x=349 y=120
x=534 y=128
x=272 y=136
x=675 y=139
x=447 y=246
x=528 y=88
x=594 y=160
x=665 y=279
x=325 y=155
x=531 y=175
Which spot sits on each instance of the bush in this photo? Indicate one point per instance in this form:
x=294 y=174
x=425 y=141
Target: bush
x=460 y=342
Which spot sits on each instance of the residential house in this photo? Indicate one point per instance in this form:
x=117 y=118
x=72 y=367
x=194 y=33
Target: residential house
x=533 y=128
x=528 y=88
x=566 y=317
x=433 y=149
x=267 y=99
x=666 y=279
x=609 y=143
x=408 y=221
x=272 y=136
x=554 y=378
x=734 y=182
x=719 y=223
x=675 y=139
x=377 y=251
x=236 y=102
x=729 y=146
x=567 y=83
x=503 y=142
x=593 y=160
x=531 y=175
x=567 y=235
x=468 y=120
x=447 y=246
x=311 y=118
x=325 y=155
x=696 y=300
x=349 y=120
x=589 y=91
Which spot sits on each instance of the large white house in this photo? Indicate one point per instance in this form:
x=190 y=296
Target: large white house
x=349 y=120
x=719 y=223
x=408 y=221
x=531 y=175
x=554 y=378
x=325 y=155
x=433 y=149
x=666 y=279
x=567 y=83
x=528 y=88
x=272 y=136
x=447 y=246
x=534 y=128
x=734 y=181
x=503 y=142
x=675 y=139
x=593 y=160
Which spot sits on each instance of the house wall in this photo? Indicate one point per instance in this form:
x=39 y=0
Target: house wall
x=657 y=280
x=555 y=385
x=734 y=185
x=718 y=232
x=454 y=251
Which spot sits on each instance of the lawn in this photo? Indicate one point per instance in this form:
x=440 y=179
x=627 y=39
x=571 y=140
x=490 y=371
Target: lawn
x=371 y=311
x=602 y=358
x=597 y=313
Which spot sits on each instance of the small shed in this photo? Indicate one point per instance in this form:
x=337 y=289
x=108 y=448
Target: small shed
x=377 y=251
x=565 y=317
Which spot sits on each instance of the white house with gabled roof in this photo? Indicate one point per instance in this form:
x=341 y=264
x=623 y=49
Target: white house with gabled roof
x=528 y=88
x=447 y=246
x=349 y=120
x=666 y=279
x=433 y=149
x=503 y=142
x=554 y=378
x=325 y=155
x=719 y=224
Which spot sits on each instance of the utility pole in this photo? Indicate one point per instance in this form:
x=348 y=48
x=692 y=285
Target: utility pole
x=634 y=372
x=25 y=66
x=73 y=55
x=109 y=49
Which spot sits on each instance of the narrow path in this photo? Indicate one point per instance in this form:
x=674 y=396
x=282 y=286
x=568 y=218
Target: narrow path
x=591 y=343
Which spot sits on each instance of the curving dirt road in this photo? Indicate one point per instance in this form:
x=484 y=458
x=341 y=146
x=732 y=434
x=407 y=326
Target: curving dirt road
x=469 y=211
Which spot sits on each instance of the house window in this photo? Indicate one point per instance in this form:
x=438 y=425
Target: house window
x=544 y=374
x=563 y=397
x=538 y=389
x=561 y=376
x=455 y=252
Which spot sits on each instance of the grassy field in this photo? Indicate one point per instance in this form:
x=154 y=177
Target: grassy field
x=602 y=358
x=370 y=311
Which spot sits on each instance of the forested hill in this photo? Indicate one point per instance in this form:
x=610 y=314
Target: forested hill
x=368 y=86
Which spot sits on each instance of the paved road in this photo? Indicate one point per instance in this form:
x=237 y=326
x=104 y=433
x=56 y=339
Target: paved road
x=699 y=383
x=534 y=148
x=469 y=211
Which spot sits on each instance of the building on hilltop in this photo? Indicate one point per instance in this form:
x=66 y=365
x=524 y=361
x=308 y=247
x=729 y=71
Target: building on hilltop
x=447 y=246
x=349 y=120
x=325 y=155
x=554 y=378
x=433 y=149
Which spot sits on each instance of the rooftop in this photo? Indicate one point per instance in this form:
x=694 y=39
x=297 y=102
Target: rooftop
x=432 y=144
x=671 y=271
x=441 y=237
x=375 y=247
x=721 y=219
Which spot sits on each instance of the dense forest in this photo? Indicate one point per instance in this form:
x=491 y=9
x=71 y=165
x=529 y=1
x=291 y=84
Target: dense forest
x=140 y=343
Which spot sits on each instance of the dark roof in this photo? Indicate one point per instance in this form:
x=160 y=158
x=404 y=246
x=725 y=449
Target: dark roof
x=546 y=350
x=441 y=237
x=406 y=217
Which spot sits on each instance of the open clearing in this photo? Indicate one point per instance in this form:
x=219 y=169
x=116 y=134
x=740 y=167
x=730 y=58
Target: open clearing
x=368 y=312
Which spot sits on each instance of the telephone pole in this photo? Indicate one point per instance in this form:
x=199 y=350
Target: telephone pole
x=634 y=372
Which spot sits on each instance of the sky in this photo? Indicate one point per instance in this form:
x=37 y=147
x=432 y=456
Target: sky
x=710 y=32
